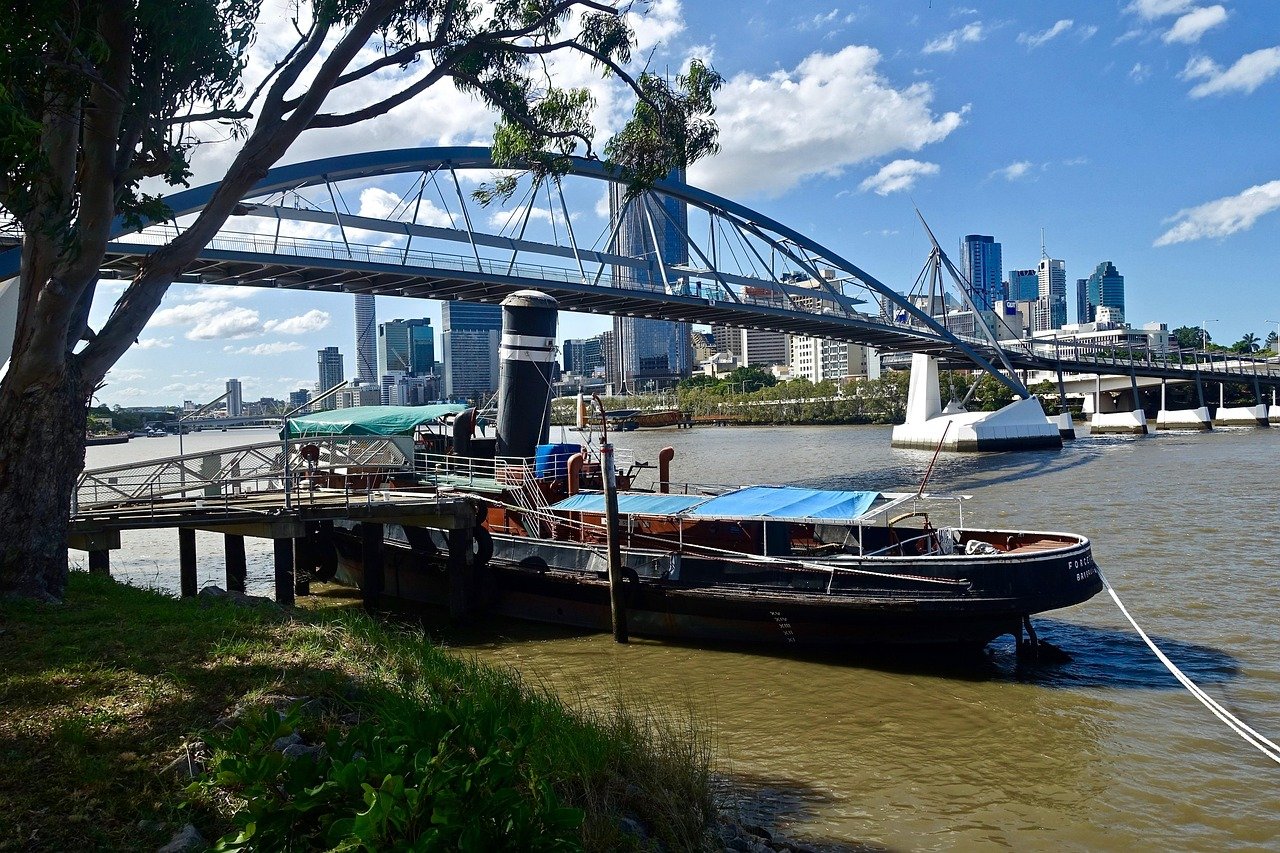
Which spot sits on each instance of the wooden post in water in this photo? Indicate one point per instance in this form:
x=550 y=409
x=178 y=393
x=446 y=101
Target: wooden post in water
x=371 y=558
x=616 y=605
x=458 y=570
x=187 y=560
x=303 y=563
x=237 y=566
x=284 y=571
x=100 y=563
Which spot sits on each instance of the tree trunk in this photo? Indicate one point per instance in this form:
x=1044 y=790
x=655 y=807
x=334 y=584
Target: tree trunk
x=42 y=440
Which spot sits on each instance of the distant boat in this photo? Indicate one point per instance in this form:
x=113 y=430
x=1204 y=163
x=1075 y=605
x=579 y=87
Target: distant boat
x=106 y=438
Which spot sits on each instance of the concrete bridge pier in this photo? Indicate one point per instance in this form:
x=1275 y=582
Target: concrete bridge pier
x=1120 y=414
x=1184 y=419
x=1240 y=416
x=1021 y=425
x=1273 y=411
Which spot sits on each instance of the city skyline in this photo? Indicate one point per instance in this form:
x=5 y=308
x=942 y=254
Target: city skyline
x=1183 y=209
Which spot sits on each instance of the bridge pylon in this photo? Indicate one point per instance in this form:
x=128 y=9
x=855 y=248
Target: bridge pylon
x=1021 y=425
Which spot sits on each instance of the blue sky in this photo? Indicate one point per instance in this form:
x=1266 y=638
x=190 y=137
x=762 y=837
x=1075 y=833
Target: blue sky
x=1140 y=132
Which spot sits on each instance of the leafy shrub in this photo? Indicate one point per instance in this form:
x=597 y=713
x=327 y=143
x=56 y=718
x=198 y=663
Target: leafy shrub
x=431 y=780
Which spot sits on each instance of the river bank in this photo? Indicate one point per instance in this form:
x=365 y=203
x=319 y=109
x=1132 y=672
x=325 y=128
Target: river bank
x=320 y=725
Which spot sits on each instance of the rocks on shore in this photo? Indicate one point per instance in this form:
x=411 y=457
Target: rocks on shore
x=240 y=599
x=185 y=839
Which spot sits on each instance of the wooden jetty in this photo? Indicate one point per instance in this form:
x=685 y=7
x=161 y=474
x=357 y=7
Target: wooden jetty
x=173 y=494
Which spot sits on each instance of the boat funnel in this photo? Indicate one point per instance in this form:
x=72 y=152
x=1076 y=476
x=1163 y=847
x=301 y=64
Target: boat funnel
x=524 y=378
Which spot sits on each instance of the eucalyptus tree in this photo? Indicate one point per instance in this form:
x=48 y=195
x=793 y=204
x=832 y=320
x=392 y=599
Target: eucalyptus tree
x=97 y=96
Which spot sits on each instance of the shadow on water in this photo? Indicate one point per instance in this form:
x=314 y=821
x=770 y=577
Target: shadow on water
x=777 y=805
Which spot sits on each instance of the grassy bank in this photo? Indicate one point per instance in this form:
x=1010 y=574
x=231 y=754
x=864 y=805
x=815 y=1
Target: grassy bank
x=396 y=740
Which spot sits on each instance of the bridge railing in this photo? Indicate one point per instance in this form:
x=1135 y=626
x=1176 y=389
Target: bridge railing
x=236 y=470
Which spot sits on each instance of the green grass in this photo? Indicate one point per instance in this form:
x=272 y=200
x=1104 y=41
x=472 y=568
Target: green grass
x=100 y=693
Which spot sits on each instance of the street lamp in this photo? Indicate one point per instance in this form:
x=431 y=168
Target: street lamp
x=1204 y=334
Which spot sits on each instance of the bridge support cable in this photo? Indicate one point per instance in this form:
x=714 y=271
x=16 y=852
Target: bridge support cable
x=689 y=241
x=649 y=200
x=1017 y=385
x=568 y=226
x=524 y=224
x=337 y=217
x=612 y=246
x=466 y=217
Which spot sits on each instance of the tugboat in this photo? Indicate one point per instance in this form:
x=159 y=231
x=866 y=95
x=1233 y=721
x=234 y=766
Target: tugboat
x=780 y=565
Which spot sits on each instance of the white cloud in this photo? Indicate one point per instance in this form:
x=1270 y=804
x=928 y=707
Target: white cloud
x=215 y=292
x=1222 y=217
x=1034 y=40
x=1086 y=32
x=1139 y=72
x=661 y=21
x=1013 y=171
x=120 y=375
x=1152 y=9
x=948 y=42
x=1190 y=27
x=377 y=203
x=265 y=349
x=502 y=219
x=190 y=312
x=312 y=321
x=233 y=324
x=898 y=176
x=1248 y=73
x=830 y=112
x=154 y=343
x=825 y=21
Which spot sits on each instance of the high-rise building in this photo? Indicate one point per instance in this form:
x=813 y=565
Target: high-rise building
x=753 y=347
x=1106 y=290
x=366 y=342
x=582 y=357
x=981 y=264
x=1084 y=314
x=298 y=398
x=1024 y=285
x=650 y=351
x=1052 y=274
x=235 y=399
x=329 y=363
x=470 y=333
x=406 y=346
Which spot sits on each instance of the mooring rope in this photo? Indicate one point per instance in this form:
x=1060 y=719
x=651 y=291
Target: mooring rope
x=1257 y=741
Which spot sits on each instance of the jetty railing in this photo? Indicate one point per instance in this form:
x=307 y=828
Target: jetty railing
x=237 y=470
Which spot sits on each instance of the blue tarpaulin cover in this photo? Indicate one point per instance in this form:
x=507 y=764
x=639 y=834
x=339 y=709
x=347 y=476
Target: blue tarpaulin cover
x=631 y=503
x=779 y=502
x=786 y=502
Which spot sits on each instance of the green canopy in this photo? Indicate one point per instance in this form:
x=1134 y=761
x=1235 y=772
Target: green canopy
x=368 y=420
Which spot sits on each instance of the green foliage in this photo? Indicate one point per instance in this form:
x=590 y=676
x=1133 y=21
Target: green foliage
x=433 y=780
x=1248 y=343
x=1190 y=337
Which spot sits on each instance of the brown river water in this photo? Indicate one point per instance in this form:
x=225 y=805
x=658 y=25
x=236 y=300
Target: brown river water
x=1106 y=752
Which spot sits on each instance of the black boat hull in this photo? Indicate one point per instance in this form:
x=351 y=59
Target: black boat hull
x=960 y=601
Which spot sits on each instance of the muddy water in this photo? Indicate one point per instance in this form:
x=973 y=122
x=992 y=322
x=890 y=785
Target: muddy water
x=1106 y=752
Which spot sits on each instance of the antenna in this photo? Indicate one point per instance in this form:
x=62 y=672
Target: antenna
x=1043 y=253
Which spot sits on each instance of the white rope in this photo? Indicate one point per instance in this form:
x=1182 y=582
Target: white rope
x=1262 y=744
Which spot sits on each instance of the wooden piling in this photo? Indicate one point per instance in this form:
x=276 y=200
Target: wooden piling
x=187 y=560
x=237 y=566
x=459 y=572
x=303 y=565
x=617 y=606
x=100 y=563
x=371 y=557
x=284 y=571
